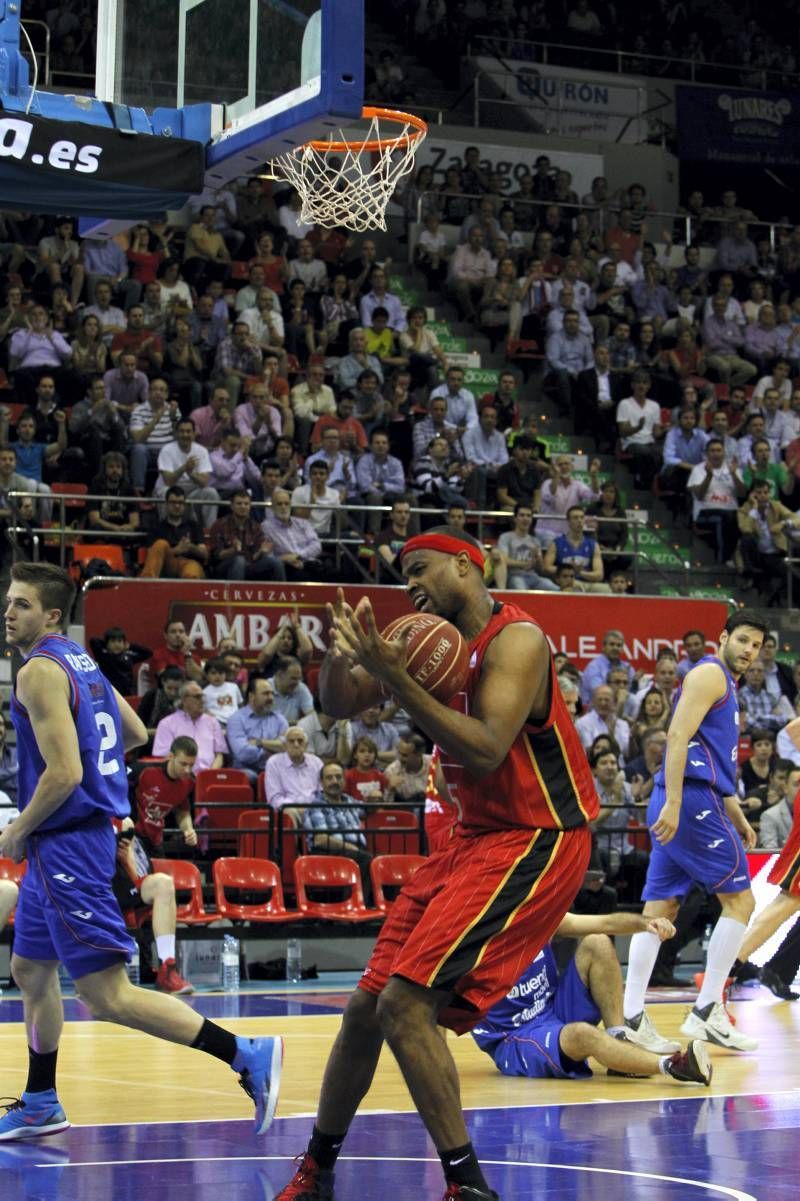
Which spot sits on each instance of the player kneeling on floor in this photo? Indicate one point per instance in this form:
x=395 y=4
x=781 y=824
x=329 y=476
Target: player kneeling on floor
x=547 y=1024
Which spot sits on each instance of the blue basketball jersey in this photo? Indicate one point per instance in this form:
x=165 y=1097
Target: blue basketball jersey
x=530 y=999
x=104 y=787
x=713 y=751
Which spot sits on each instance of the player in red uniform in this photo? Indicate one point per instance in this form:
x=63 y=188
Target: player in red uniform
x=476 y=913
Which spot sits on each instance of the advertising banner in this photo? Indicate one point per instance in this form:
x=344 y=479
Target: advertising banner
x=250 y=613
x=717 y=126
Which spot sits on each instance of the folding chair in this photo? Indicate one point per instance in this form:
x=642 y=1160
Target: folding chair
x=250 y=876
x=391 y=871
x=331 y=871
x=186 y=879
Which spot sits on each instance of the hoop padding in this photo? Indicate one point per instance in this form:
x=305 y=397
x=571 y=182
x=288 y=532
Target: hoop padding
x=349 y=183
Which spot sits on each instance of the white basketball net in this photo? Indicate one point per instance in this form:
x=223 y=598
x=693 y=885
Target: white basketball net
x=349 y=187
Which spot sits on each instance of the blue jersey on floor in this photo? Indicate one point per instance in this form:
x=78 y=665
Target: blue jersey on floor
x=104 y=786
x=713 y=751
x=531 y=999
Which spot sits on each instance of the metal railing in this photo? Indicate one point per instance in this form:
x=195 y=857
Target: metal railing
x=620 y=61
x=41 y=54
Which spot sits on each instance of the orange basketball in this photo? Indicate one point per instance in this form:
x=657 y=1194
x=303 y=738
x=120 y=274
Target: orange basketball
x=437 y=657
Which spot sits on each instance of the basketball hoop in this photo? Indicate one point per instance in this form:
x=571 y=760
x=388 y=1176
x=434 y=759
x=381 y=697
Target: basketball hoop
x=354 y=190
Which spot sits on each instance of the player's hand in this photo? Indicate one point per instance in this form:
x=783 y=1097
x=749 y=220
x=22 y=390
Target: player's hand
x=357 y=636
x=190 y=838
x=661 y=926
x=746 y=831
x=12 y=845
x=665 y=827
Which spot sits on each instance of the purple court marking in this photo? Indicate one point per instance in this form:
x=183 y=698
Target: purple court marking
x=674 y=1150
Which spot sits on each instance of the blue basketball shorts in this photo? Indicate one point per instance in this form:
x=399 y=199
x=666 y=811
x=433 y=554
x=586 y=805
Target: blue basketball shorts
x=706 y=849
x=67 y=909
x=533 y=1050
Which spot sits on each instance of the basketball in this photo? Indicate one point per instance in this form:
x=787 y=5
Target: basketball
x=437 y=657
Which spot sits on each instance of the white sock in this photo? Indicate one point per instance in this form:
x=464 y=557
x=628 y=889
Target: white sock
x=165 y=947
x=723 y=947
x=662 y=1064
x=641 y=961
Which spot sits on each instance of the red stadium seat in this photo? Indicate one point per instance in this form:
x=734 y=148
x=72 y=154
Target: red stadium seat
x=393 y=871
x=387 y=831
x=111 y=554
x=255 y=833
x=250 y=875
x=186 y=879
x=224 y=793
x=331 y=871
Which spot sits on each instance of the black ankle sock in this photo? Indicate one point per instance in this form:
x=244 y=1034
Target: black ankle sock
x=324 y=1148
x=41 y=1070
x=217 y=1042
x=461 y=1167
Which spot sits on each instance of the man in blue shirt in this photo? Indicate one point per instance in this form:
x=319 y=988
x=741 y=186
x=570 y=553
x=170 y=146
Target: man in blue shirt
x=255 y=731
x=335 y=827
x=568 y=353
x=597 y=669
x=684 y=448
x=292 y=697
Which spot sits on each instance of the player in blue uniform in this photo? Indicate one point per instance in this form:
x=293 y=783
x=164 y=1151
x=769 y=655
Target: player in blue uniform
x=73 y=730
x=700 y=833
x=546 y=1026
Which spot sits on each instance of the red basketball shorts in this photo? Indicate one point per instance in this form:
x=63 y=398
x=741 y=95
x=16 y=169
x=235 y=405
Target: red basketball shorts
x=786 y=869
x=473 y=917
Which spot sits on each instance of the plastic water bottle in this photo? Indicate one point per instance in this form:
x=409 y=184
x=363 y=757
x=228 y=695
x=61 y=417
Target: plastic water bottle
x=230 y=963
x=294 y=960
x=706 y=939
x=134 y=966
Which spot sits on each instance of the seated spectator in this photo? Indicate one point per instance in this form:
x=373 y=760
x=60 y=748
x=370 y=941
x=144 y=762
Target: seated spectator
x=716 y=487
x=37 y=349
x=263 y=420
x=187 y=464
x=293 y=539
x=763 y=467
x=563 y=304
x=433 y=425
x=237 y=547
x=395 y=534
x=519 y=480
x=176 y=651
x=569 y=352
x=597 y=670
x=312 y=271
x=781 y=378
x=531 y=301
x=238 y=357
x=221 y=697
x=191 y=721
x=382 y=341
x=379 y=297
x=723 y=340
x=766 y=526
x=498 y=304
x=32 y=457
x=364 y=780
x=640 y=428
x=341 y=469
x=183 y=367
x=89 y=351
x=439 y=476
x=292 y=697
x=353 y=434
x=504 y=401
x=757 y=768
x=335 y=827
x=778 y=676
x=112 y=319
x=521 y=566
x=461 y=409
x=760 y=709
x=255 y=731
x=601 y=719
x=207 y=330
x=232 y=469
x=145 y=344
x=288 y=639
x=356 y=361
x=775 y=823
x=407 y=773
x=579 y=549
x=113 y=514
x=486 y=449
x=126 y=386
x=368 y=724
x=471 y=266
x=560 y=492
x=329 y=738
x=205 y=254
x=58 y=259
x=610 y=528
x=152 y=427
x=96 y=427
x=762 y=340
x=432 y=252
x=339 y=315
x=426 y=359
x=684 y=449
x=618 y=857
x=176 y=548
x=165 y=788
x=291 y=777
x=641 y=770
x=316 y=500
x=380 y=477
x=116 y=657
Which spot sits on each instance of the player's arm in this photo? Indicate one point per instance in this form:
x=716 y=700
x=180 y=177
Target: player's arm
x=43 y=688
x=702 y=688
x=577 y=925
x=134 y=731
x=514 y=684
x=184 y=820
x=345 y=688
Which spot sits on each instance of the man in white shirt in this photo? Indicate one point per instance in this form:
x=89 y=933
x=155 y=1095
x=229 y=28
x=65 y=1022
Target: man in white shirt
x=640 y=428
x=313 y=272
x=187 y=464
x=378 y=297
x=602 y=719
x=470 y=267
x=716 y=487
x=317 y=499
x=461 y=409
x=486 y=448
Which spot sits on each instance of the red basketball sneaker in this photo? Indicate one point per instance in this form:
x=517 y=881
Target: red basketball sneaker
x=169 y=979
x=309 y=1183
x=464 y=1192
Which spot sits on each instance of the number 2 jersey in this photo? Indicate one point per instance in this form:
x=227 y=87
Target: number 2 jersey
x=714 y=749
x=103 y=787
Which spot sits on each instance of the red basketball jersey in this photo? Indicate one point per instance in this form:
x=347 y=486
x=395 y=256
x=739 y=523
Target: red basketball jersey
x=545 y=781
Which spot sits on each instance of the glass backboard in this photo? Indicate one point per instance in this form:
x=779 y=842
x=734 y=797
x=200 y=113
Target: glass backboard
x=281 y=71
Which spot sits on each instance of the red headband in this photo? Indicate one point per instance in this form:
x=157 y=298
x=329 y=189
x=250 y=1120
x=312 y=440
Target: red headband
x=444 y=543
